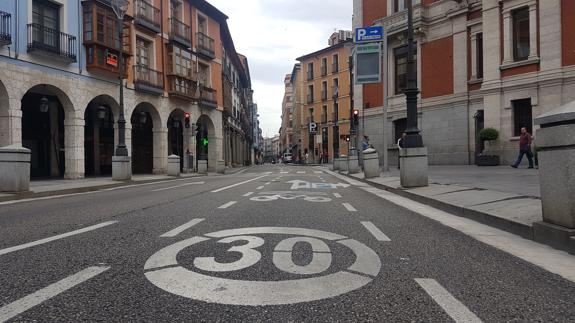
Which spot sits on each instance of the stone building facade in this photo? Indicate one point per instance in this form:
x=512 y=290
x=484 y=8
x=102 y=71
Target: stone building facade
x=480 y=63
x=286 y=130
x=59 y=88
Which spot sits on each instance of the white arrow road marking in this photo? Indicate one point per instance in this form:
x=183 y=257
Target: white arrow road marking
x=349 y=207
x=237 y=184
x=177 y=186
x=181 y=228
x=454 y=308
x=337 y=195
x=60 y=236
x=380 y=236
x=20 y=306
x=227 y=205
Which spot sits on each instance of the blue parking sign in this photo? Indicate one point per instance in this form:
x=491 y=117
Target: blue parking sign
x=369 y=34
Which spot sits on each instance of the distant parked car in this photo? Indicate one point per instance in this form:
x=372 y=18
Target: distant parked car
x=287 y=158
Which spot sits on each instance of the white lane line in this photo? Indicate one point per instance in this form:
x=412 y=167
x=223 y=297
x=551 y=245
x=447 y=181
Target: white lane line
x=380 y=236
x=237 y=184
x=177 y=186
x=337 y=195
x=454 y=308
x=227 y=205
x=259 y=187
x=57 y=237
x=349 y=207
x=181 y=228
x=317 y=172
x=268 y=183
x=20 y=306
x=301 y=172
x=248 y=194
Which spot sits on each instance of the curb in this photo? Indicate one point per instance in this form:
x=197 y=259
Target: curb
x=30 y=194
x=523 y=230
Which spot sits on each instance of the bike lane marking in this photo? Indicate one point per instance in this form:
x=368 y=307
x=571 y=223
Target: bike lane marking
x=20 y=306
x=349 y=207
x=238 y=184
x=453 y=307
x=375 y=231
x=227 y=205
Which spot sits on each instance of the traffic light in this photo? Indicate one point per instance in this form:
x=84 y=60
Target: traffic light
x=187 y=119
x=346 y=137
x=356 y=117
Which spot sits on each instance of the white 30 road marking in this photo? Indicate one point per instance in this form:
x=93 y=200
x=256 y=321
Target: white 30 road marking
x=60 y=236
x=380 y=236
x=20 y=306
x=237 y=184
x=457 y=311
x=227 y=205
x=181 y=228
x=177 y=186
x=349 y=207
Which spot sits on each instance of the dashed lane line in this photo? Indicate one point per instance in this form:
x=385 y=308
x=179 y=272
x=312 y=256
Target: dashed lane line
x=181 y=228
x=268 y=183
x=337 y=195
x=301 y=172
x=20 y=306
x=237 y=184
x=454 y=308
x=57 y=237
x=177 y=186
x=259 y=188
x=227 y=205
x=248 y=194
x=378 y=234
x=349 y=207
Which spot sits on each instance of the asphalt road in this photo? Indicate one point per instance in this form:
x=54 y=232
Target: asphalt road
x=275 y=243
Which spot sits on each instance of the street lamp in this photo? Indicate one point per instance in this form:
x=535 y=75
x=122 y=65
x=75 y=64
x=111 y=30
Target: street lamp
x=413 y=137
x=120 y=7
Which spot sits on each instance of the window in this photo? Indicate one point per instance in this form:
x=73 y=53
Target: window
x=400 y=5
x=310 y=71
x=479 y=55
x=180 y=61
x=143 y=52
x=46 y=19
x=324 y=114
x=324 y=90
x=401 y=68
x=335 y=90
x=522 y=116
x=202 y=25
x=311 y=115
x=176 y=9
x=310 y=94
x=521 y=47
x=324 y=66
x=399 y=127
x=204 y=75
x=335 y=64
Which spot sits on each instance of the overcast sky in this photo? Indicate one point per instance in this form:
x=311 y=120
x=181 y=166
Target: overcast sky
x=272 y=34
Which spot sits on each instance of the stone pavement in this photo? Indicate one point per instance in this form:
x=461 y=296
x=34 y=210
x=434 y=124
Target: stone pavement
x=503 y=197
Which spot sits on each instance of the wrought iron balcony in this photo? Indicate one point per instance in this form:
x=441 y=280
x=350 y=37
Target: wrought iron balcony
x=181 y=87
x=205 y=45
x=310 y=98
x=5 y=28
x=323 y=70
x=180 y=32
x=148 y=80
x=309 y=75
x=324 y=95
x=148 y=16
x=334 y=67
x=51 y=42
x=207 y=97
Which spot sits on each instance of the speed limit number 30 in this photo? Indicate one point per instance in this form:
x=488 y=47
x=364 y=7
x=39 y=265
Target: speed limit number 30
x=163 y=270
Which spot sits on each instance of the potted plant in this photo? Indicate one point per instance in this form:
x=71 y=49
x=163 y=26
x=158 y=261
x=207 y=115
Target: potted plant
x=485 y=159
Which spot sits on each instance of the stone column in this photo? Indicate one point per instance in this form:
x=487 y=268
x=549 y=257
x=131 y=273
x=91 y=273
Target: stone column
x=474 y=56
x=460 y=54
x=160 y=138
x=96 y=148
x=414 y=165
x=507 y=38
x=74 y=148
x=556 y=139
x=533 y=41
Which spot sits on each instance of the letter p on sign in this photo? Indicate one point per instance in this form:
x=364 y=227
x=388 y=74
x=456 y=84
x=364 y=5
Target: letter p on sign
x=360 y=34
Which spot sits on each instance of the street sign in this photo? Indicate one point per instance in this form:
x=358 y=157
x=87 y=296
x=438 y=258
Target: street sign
x=369 y=34
x=312 y=127
x=368 y=63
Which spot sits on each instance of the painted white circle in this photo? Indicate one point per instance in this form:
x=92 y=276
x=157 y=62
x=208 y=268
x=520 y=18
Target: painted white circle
x=163 y=270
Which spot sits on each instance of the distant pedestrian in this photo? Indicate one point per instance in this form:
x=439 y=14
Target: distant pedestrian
x=525 y=141
x=305 y=158
x=400 y=147
x=365 y=144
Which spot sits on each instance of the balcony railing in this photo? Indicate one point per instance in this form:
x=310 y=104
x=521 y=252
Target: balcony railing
x=5 y=28
x=205 y=45
x=51 y=42
x=148 y=80
x=180 y=32
x=323 y=70
x=147 y=15
x=207 y=97
x=309 y=75
x=334 y=67
x=310 y=98
x=181 y=87
x=324 y=95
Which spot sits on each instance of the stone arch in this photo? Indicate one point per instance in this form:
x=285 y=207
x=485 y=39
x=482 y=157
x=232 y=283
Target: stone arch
x=59 y=151
x=207 y=130
x=5 y=119
x=100 y=134
x=148 y=140
x=177 y=135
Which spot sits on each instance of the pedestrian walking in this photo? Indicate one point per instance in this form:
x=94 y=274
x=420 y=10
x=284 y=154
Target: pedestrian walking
x=365 y=143
x=525 y=141
x=400 y=147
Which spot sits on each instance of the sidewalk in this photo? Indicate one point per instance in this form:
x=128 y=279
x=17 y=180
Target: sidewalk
x=42 y=188
x=502 y=197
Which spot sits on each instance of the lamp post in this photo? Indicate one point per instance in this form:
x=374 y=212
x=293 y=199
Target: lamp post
x=413 y=137
x=121 y=163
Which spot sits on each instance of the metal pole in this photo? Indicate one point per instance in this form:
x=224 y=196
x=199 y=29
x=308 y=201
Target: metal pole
x=385 y=79
x=121 y=149
x=413 y=138
x=352 y=127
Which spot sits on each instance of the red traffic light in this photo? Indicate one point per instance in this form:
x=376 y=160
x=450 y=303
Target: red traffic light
x=187 y=115
x=187 y=119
